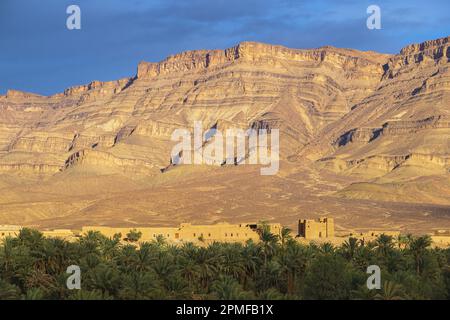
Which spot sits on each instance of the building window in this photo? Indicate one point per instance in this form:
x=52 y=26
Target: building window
x=225 y=234
x=194 y=234
x=209 y=234
x=231 y=235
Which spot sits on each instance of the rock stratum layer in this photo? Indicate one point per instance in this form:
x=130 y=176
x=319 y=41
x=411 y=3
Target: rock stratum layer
x=364 y=137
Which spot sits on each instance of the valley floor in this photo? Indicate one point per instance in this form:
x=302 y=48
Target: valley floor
x=206 y=195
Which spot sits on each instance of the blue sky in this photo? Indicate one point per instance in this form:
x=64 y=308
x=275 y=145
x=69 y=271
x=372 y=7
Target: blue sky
x=39 y=54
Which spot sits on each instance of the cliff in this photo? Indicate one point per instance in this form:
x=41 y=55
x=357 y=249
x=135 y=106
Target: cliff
x=347 y=119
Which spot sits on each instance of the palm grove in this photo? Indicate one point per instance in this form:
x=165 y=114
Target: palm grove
x=277 y=267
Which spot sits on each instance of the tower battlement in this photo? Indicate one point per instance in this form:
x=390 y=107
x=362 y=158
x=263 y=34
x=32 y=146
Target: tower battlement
x=316 y=229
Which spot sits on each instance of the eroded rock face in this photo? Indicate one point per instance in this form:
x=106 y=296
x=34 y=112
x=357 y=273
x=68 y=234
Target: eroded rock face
x=301 y=90
x=365 y=116
x=400 y=132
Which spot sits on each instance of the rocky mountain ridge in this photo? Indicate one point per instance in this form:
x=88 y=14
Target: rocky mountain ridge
x=352 y=124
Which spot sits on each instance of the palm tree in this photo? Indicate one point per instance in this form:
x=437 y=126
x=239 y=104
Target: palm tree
x=363 y=257
x=7 y=258
x=327 y=248
x=30 y=237
x=271 y=294
x=251 y=256
x=285 y=236
x=89 y=295
x=349 y=247
x=233 y=263
x=403 y=241
x=38 y=278
x=188 y=269
x=34 y=294
x=177 y=287
x=33 y=267
x=207 y=261
x=384 y=245
x=265 y=234
x=110 y=247
x=54 y=256
x=390 y=291
x=163 y=266
x=160 y=241
x=363 y=293
x=293 y=264
x=268 y=241
x=144 y=257
x=140 y=285
x=227 y=288
x=269 y=275
x=133 y=236
x=8 y=291
x=327 y=278
x=418 y=248
x=106 y=279
x=16 y=260
x=90 y=243
x=126 y=259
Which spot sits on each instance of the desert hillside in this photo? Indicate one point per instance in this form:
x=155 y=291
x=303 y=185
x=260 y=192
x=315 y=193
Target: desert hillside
x=364 y=137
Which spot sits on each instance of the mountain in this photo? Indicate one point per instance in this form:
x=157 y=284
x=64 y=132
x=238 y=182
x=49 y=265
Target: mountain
x=364 y=137
x=397 y=139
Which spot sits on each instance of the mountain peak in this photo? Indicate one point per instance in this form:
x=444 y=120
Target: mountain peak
x=17 y=94
x=254 y=53
x=439 y=46
x=343 y=116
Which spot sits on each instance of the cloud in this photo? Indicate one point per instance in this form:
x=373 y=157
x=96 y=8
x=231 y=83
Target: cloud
x=39 y=54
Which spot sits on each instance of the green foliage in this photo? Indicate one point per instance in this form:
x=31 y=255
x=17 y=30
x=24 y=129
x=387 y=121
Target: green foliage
x=278 y=267
x=327 y=278
x=133 y=236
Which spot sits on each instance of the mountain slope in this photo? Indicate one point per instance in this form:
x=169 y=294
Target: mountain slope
x=399 y=134
x=356 y=129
